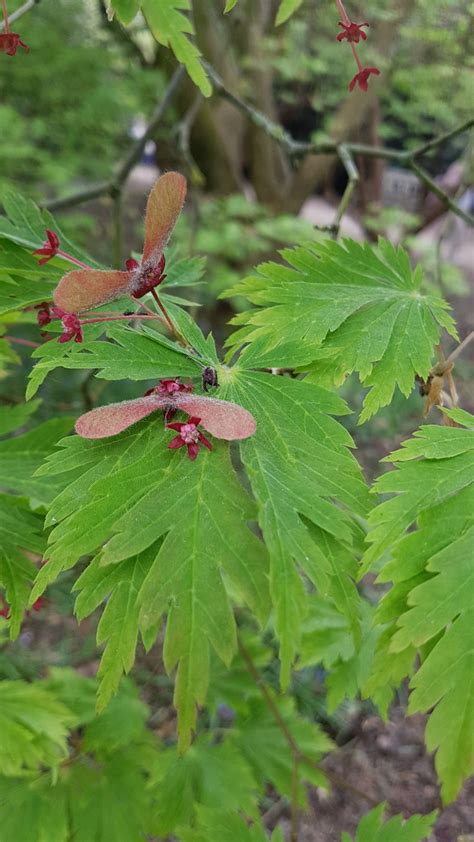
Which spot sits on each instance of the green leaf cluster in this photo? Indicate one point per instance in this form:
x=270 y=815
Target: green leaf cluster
x=428 y=609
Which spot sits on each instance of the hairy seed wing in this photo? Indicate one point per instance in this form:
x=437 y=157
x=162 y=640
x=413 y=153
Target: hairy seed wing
x=83 y=289
x=110 y=420
x=223 y=419
x=164 y=205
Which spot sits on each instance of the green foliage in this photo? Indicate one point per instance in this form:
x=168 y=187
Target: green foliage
x=379 y=324
x=220 y=826
x=429 y=607
x=20 y=534
x=170 y=25
x=372 y=828
x=33 y=728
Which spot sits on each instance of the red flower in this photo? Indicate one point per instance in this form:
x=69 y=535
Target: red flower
x=49 y=248
x=145 y=279
x=9 y=43
x=71 y=325
x=189 y=435
x=352 y=32
x=5 y=609
x=43 y=316
x=362 y=77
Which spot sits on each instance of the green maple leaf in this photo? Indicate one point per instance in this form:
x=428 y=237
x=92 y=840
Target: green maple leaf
x=308 y=526
x=372 y=828
x=22 y=455
x=20 y=533
x=171 y=27
x=216 y=776
x=33 y=728
x=429 y=606
x=199 y=510
x=362 y=304
x=259 y=739
x=25 y=224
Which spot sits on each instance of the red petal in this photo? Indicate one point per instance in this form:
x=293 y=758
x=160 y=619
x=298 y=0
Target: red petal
x=164 y=205
x=205 y=441
x=176 y=425
x=176 y=442
x=193 y=420
x=82 y=289
x=193 y=450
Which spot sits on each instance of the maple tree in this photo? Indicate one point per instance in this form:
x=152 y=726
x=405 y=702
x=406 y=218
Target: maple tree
x=252 y=541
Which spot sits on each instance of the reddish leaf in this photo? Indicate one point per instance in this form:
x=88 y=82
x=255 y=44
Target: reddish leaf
x=225 y=420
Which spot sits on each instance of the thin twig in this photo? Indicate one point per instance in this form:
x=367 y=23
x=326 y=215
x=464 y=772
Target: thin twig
x=113 y=185
x=353 y=180
x=455 y=354
x=19 y=13
x=291 y=742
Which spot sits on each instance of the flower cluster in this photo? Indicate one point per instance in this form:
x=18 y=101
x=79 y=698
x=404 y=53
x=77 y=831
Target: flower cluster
x=353 y=33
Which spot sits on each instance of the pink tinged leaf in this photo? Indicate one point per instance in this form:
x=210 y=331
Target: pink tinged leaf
x=164 y=205
x=83 y=289
x=113 y=419
x=223 y=419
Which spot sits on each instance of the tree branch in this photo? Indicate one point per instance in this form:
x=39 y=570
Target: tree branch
x=113 y=186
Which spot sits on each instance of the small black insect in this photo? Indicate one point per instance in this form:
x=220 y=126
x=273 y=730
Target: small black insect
x=209 y=379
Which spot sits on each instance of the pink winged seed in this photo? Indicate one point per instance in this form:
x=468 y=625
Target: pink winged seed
x=223 y=419
x=164 y=206
x=82 y=289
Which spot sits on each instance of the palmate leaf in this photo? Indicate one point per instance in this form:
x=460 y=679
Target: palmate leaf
x=171 y=27
x=372 y=828
x=363 y=304
x=308 y=526
x=429 y=607
x=136 y=490
x=22 y=282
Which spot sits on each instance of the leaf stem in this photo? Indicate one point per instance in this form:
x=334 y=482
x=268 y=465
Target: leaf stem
x=72 y=259
x=26 y=342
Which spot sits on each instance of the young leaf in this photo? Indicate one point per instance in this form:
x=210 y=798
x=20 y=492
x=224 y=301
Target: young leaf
x=373 y=829
x=362 y=303
x=296 y=438
x=171 y=28
x=430 y=605
x=137 y=491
